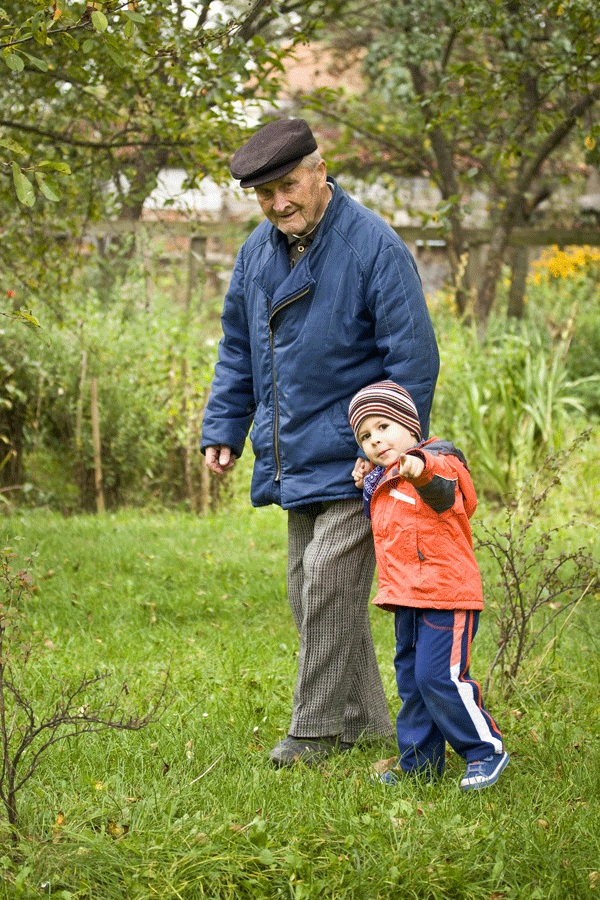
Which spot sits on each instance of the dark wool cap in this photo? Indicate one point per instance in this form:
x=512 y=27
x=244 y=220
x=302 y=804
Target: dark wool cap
x=387 y=399
x=272 y=152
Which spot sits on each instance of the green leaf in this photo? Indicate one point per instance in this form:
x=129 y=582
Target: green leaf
x=48 y=187
x=40 y=64
x=56 y=165
x=116 y=57
x=70 y=41
x=14 y=62
x=23 y=186
x=88 y=46
x=11 y=145
x=99 y=20
x=19 y=314
x=135 y=16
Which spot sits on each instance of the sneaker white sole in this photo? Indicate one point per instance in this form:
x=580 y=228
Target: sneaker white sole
x=482 y=781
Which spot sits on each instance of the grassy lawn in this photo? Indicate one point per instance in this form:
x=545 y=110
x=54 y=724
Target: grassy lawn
x=190 y=807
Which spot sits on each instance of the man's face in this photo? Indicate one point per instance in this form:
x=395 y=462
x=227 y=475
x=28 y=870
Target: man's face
x=295 y=203
x=383 y=440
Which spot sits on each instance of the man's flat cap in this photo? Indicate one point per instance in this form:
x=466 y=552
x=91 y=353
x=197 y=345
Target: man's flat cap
x=272 y=152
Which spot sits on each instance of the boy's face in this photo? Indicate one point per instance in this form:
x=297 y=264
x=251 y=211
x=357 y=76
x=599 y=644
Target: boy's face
x=383 y=440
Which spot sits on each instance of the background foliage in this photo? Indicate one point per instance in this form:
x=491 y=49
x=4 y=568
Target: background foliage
x=97 y=98
x=477 y=96
x=507 y=402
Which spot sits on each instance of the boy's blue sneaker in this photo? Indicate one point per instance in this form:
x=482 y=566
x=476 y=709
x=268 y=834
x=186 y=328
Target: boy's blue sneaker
x=390 y=778
x=482 y=773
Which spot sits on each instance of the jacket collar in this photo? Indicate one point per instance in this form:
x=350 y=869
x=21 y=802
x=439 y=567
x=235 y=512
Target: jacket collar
x=282 y=285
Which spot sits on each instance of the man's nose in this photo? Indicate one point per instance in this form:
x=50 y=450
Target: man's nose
x=279 y=202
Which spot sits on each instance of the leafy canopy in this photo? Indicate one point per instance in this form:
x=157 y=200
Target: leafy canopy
x=96 y=95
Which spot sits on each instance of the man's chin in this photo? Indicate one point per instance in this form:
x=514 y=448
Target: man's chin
x=288 y=226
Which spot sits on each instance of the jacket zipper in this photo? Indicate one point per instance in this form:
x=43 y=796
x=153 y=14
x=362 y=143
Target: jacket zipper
x=276 y=404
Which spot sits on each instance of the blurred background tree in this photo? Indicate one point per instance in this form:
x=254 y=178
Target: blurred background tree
x=500 y=97
x=97 y=97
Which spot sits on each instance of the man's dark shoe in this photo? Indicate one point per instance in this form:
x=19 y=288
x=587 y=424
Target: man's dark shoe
x=310 y=751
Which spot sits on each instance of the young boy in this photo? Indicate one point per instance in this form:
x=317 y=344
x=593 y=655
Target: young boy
x=420 y=496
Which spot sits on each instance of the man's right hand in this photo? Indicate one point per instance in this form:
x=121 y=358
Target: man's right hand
x=220 y=459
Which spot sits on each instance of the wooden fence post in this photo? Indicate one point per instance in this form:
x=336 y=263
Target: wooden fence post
x=204 y=472
x=196 y=259
x=96 y=439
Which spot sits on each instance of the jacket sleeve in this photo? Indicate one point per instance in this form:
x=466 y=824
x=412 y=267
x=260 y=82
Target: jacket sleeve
x=403 y=331
x=438 y=481
x=230 y=408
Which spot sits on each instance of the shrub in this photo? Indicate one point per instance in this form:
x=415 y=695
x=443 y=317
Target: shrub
x=152 y=370
x=509 y=400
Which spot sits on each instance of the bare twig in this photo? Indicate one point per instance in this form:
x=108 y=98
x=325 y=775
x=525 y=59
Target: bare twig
x=206 y=771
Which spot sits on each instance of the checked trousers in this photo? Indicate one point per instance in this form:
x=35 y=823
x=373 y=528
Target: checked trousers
x=331 y=561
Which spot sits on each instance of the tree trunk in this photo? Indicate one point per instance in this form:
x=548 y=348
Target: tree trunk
x=519 y=262
x=486 y=294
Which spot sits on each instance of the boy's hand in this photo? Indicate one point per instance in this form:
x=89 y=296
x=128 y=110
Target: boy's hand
x=410 y=467
x=361 y=468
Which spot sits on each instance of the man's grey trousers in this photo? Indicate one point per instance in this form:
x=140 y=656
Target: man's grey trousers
x=331 y=561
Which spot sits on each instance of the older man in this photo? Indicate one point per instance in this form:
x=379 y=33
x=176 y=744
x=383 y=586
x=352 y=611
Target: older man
x=324 y=299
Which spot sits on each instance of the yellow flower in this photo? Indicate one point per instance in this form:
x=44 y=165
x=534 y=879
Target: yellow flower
x=556 y=263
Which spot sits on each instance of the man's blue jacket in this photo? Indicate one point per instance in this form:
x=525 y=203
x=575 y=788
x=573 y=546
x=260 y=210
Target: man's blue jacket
x=298 y=343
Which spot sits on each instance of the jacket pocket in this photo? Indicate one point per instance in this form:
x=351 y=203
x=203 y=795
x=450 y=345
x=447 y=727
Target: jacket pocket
x=261 y=434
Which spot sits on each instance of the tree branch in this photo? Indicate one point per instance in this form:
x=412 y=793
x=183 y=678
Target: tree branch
x=56 y=137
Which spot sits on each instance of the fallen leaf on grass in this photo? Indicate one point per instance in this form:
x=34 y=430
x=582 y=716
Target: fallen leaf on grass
x=60 y=821
x=384 y=765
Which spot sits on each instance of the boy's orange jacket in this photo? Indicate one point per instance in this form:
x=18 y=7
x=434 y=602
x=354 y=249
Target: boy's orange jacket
x=422 y=534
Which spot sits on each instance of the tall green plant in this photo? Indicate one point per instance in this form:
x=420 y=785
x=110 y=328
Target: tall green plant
x=537 y=579
x=152 y=368
x=509 y=400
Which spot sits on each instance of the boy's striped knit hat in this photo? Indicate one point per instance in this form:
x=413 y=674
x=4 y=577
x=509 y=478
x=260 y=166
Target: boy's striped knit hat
x=384 y=399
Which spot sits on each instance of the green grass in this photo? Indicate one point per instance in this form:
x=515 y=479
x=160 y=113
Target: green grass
x=190 y=806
